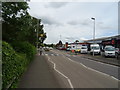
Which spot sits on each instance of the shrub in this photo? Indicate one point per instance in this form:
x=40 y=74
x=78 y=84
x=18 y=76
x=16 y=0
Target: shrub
x=26 y=48
x=14 y=64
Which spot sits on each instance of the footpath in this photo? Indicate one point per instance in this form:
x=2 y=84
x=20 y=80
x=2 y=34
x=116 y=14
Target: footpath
x=39 y=75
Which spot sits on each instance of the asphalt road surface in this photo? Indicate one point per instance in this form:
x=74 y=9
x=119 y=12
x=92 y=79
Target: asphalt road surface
x=102 y=67
x=77 y=72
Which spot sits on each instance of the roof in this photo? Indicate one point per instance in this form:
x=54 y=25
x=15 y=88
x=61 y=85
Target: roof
x=104 y=38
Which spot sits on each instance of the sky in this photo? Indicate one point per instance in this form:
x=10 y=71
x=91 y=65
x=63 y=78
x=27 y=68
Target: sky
x=70 y=21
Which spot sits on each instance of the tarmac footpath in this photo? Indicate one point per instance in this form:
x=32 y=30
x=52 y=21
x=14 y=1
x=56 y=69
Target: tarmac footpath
x=39 y=75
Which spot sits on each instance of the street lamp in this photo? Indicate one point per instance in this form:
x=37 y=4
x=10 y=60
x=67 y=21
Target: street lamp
x=93 y=33
x=37 y=32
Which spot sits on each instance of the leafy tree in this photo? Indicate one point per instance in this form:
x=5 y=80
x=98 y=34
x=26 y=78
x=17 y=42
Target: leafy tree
x=18 y=25
x=13 y=14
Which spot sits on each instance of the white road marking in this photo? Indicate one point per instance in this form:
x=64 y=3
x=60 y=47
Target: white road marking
x=57 y=54
x=93 y=69
x=101 y=63
x=52 y=54
x=61 y=73
x=46 y=54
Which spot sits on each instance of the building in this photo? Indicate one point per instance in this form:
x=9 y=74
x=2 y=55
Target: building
x=113 y=40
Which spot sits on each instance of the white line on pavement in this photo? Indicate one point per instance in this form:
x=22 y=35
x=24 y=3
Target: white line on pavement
x=61 y=73
x=101 y=62
x=93 y=69
x=52 y=54
x=57 y=54
x=46 y=54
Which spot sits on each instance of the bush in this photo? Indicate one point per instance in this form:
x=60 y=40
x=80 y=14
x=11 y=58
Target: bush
x=14 y=64
x=26 y=48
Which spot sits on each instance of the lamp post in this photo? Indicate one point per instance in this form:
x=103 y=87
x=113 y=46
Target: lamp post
x=37 y=32
x=93 y=33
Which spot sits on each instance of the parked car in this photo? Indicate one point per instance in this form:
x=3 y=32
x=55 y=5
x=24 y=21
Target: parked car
x=68 y=48
x=109 y=51
x=84 y=49
x=94 y=48
x=50 y=48
x=46 y=49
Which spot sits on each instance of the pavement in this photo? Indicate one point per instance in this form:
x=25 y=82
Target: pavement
x=39 y=75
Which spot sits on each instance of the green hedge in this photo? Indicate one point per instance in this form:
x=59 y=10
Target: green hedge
x=26 y=48
x=14 y=64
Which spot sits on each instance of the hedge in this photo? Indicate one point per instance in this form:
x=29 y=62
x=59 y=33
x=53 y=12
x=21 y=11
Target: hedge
x=14 y=63
x=24 y=47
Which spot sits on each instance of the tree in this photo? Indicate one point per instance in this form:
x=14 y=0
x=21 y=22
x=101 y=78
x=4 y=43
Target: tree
x=18 y=25
x=13 y=14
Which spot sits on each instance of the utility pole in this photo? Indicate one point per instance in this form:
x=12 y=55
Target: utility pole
x=37 y=33
x=93 y=34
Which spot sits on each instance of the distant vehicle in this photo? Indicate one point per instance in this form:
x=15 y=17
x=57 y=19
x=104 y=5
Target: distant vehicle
x=95 y=48
x=60 y=48
x=68 y=48
x=84 y=49
x=109 y=51
x=46 y=49
x=50 y=48
x=77 y=50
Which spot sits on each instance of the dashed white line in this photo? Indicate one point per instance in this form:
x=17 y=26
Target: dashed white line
x=61 y=73
x=92 y=69
x=57 y=54
x=101 y=63
x=52 y=54
x=46 y=54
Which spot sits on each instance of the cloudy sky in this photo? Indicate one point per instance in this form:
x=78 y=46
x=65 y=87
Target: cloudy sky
x=70 y=21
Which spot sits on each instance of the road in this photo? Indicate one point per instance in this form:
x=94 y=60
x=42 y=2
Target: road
x=78 y=72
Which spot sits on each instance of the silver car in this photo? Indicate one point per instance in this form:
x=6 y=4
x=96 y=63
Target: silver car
x=109 y=51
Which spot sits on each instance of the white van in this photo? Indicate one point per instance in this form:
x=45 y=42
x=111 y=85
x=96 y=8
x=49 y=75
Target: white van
x=95 y=48
x=84 y=49
x=109 y=51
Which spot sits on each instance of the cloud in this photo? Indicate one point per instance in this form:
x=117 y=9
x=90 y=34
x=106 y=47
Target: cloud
x=73 y=22
x=56 y=4
x=79 y=22
x=49 y=20
x=102 y=26
x=69 y=38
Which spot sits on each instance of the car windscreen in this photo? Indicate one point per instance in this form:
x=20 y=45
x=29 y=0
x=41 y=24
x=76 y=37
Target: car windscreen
x=77 y=48
x=83 y=47
x=95 y=48
x=109 y=49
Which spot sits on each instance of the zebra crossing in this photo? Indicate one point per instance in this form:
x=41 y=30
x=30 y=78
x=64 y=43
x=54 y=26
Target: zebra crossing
x=53 y=54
